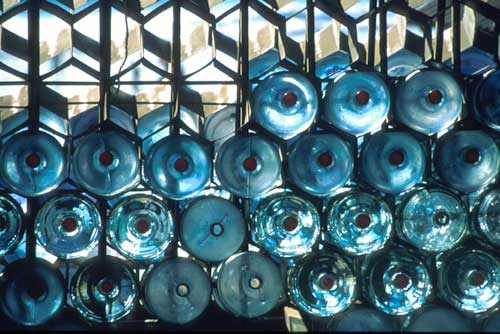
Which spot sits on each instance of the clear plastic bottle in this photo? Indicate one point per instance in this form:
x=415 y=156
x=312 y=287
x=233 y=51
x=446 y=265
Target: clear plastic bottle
x=11 y=224
x=140 y=227
x=285 y=104
x=428 y=101
x=104 y=289
x=357 y=102
x=396 y=282
x=32 y=163
x=68 y=226
x=322 y=284
x=212 y=229
x=392 y=162
x=178 y=166
x=358 y=222
x=31 y=292
x=469 y=279
x=320 y=163
x=106 y=163
x=177 y=290
x=486 y=100
x=248 y=166
x=436 y=318
x=433 y=220
x=285 y=225
x=467 y=160
x=488 y=216
x=248 y=284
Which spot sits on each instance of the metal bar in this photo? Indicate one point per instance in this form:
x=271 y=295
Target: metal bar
x=440 y=29
x=383 y=37
x=105 y=53
x=372 y=24
x=243 y=65
x=455 y=12
x=176 y=65
x=34 y=110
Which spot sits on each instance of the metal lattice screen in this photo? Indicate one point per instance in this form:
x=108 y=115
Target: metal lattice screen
x=150 y=69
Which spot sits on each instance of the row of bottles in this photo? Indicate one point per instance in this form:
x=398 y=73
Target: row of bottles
x=250 y=284
x=179 y=167
x=141 y=227
x=358 y=102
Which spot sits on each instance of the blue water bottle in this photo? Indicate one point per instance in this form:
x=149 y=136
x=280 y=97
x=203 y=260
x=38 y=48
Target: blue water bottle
x=140 y=227
x=322 y=284
x=248 y=284
x=31 y=292
x=104 y=290
x=358 y=222
x=248 y=166
x=32 y=163
x=392 y=162
x=11 y=224
x=106 y=163
x=428 y=101
x=285 y=225
x=488 y=215
x=177 y=290
x=469 y=279
x=486 y=100
x=396 y=282
x=432 y=220
x=285 y=104
x=467 y=160
x=212 y=229
x=178 y=166
x=68 y=226
x=357 y=102
x=320 y=163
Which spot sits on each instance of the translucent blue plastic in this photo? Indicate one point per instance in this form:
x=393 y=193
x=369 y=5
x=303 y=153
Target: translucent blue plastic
x=487 y=100
x=432 y=220
x=32 y=163
x=177 y=290
x=212 y=229
x=177 y=166
x=397 y=282
x=320 y=163
x=285 y=225
x=248 y=285
x=32 y=293
x=357 y=102
x=140 y=227
x=428 y=101
x=248 y=166
x=322 y=284
x=106 y=163
x=11 y=224
x=104 y=289
x=469 y=279
x=68 y=226
x=358 y=223
x=467 y=160
x=285 y=104
x=392 y=162
x=488 y=216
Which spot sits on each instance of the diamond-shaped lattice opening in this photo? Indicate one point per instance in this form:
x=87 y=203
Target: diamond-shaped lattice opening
x=334 y=47
x=126 y=41
x=196 y=51
x=55 y=41
x=13 y=44
x=73 y=6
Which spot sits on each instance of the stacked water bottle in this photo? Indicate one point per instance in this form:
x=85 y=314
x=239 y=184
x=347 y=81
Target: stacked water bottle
x=364 y=215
